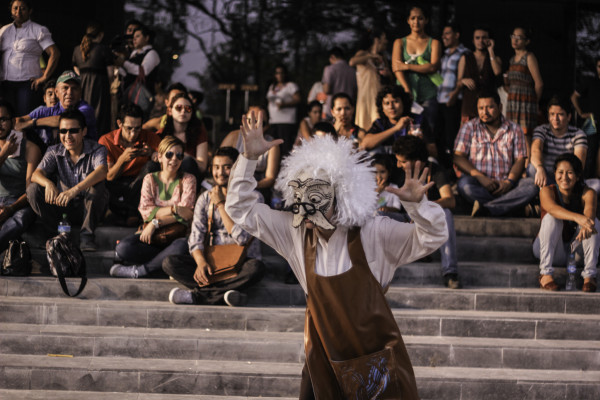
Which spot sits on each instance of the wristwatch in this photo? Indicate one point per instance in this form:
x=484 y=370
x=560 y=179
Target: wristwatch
x=156 y=223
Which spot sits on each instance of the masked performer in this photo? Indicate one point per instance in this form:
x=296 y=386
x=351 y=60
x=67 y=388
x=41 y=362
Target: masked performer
x=343 y=257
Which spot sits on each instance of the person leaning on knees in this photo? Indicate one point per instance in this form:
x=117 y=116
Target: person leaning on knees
x=78 y=166
x=131 y=154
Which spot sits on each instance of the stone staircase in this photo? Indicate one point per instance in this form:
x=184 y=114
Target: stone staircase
x=498 y=338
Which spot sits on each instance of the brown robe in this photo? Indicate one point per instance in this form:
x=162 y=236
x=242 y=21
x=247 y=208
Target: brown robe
x=353 y=346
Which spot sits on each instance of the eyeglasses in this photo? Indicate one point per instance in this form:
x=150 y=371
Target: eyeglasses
x=518 y=37
x=132 y=128
x=309 y=208
x=64 y=131
x=170 y=154
x=5 y=119
x=179 y=108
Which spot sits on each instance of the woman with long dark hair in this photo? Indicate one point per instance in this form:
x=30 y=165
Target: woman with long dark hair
x=93 y=60
x=184 y=125
x=568 y=222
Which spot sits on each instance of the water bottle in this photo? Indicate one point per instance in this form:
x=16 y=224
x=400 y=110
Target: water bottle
x=64 y=226
x=571 y=269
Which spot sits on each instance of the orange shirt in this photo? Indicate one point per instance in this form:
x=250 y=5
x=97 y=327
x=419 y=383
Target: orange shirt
x=114 y=150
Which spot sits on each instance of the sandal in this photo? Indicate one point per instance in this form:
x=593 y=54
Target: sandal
x=589 y=285
x=549 y=285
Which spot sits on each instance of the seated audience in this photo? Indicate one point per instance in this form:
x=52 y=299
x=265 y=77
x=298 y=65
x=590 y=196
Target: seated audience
x=568 y=222
x=315 y=111
x=490 y=151
x=131 y=154
x=160 y=122
x=68 y=91
x=268 y=164
x=183 y=124
x=342 y=110
x=167 y=198
x=191 y=269
x=47 y=135
x=78 y=166
x=18 y=159
x=395 y=120
x=409 y=151
x=553 y=139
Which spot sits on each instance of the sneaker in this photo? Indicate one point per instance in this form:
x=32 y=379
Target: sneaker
x=589 y=285
x=87 y=244
x=451 y=281
x=125 y=271
x=234 y=298
x=181 y=296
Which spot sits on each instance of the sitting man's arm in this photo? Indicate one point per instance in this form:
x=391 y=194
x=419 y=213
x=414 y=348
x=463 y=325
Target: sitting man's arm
x=463 y=163
x=97 y=176
x=537 y=159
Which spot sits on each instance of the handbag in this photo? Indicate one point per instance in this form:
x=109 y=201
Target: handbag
x=66 y=260
x=225 y=260
x=17 y=259
x=137 y=93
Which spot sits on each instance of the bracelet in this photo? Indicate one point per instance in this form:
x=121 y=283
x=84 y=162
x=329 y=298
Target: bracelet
x=34 y=123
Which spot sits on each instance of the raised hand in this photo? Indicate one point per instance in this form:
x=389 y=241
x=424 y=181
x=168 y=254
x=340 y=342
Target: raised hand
x=414 y=187
x=252 y=135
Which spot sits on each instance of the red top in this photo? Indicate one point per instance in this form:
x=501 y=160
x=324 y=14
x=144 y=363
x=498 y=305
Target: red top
x=114 y=149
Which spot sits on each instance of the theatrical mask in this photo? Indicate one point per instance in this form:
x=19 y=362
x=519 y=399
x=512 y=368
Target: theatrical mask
x=313 y=197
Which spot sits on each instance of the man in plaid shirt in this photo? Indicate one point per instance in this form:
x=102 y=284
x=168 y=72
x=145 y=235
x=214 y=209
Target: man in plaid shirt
x=490 y=152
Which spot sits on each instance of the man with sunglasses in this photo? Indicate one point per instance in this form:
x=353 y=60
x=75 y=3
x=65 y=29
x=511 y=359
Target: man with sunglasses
x=131 y=154
x=70 y=179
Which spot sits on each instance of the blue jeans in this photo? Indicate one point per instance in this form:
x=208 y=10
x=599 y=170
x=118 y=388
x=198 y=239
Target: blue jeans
x=448 y=249
x=471 y=190
x=133 y=251
x=18 y=223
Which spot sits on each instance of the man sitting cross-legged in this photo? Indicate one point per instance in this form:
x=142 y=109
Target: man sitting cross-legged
x=191 y=269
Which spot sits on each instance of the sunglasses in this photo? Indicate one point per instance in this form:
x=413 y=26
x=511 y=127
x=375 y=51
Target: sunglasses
x=179 y=108
x=69 y=130
x=170 y=154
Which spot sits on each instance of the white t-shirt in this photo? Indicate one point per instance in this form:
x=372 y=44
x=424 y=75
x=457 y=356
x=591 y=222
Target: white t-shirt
x=21 y=50
x=286 y=115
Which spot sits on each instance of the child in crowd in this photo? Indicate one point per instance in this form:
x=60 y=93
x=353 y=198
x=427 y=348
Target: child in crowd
x=387 y=203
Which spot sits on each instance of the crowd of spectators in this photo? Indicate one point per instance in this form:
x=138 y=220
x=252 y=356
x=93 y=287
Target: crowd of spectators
x=433 y=102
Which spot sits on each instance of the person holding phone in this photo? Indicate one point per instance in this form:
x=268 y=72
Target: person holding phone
x=131 y=154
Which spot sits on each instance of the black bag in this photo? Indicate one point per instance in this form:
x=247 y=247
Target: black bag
x=17 y=259
x=66 y=260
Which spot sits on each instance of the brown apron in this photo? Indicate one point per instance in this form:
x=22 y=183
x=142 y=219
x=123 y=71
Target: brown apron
x=353 y=346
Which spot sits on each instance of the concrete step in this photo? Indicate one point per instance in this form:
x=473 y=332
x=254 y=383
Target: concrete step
x=194 y=344
x=271 y=292
x=275 y=379
x=9 y=394
x=107 y=235
x=63 y=311
x=507 y=227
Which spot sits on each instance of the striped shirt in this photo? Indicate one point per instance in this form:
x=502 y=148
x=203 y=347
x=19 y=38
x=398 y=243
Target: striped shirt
x=492 y=156
x=449 y=72
x=554 y=146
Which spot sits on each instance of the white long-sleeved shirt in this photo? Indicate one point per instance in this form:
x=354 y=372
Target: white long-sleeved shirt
x=388 y=244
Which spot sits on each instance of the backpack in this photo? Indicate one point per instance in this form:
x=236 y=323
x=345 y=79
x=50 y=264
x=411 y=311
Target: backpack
x=66 y=260
x=17 y=259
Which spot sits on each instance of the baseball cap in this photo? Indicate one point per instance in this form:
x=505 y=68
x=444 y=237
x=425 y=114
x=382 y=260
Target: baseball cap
x=68 y=75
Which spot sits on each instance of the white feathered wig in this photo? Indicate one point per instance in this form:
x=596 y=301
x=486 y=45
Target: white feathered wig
x=349 y=171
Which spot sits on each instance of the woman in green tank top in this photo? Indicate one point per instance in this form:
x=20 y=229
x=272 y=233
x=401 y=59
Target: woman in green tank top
x=415 y=63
